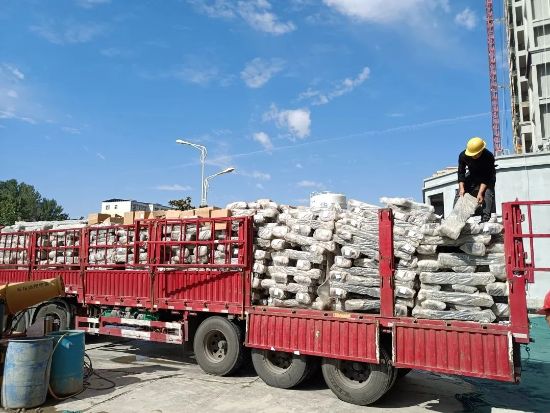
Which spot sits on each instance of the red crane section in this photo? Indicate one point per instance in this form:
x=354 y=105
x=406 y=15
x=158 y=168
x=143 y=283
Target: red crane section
x=497 y=142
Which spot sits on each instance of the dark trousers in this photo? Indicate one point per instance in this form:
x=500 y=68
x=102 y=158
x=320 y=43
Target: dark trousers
x=488 y=205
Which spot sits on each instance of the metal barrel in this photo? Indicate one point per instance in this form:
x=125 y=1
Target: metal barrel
x=26 y=372
x=67 y=373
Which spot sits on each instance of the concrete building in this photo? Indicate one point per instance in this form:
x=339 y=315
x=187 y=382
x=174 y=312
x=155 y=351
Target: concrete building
x=528 y=34
x=522 y=177
x=117 y=206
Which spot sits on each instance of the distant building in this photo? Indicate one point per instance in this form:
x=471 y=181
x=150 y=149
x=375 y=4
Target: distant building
x=528 y=33
x=519 y=177
x=117 y=206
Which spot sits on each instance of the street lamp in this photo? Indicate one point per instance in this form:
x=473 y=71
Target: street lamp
x=207 y=180
x=204 y=152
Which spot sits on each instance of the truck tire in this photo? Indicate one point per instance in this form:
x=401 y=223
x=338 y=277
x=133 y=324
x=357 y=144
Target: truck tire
x=218 y=346
x=279 y=369
x=60 y=313
x=358 y=383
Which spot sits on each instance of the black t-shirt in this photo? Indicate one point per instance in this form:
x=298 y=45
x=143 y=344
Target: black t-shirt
x=480 y=171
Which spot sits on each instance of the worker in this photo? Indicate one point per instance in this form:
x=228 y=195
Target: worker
x=477 y=176
x=545 y=310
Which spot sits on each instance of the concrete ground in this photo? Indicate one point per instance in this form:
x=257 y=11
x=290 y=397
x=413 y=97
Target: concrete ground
x=158 y=378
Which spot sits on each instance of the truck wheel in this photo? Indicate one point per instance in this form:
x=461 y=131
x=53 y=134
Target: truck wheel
x=218 y=346
x=358 y=383
x=280 y=369
x=60 y=314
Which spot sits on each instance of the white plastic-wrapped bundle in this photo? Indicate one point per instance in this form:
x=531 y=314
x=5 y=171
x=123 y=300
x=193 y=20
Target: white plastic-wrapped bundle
x=433 y=305
x=484 y=316
x=356 y=304
x=464 y=288
x=474 y=248
x=478 y=299
x=473 y=279
x=497 y=289
x=449 y=260
x=463 y=209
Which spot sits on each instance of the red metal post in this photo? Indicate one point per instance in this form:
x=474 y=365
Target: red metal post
x=386 y=264
x=515 y=263
x=495 y=115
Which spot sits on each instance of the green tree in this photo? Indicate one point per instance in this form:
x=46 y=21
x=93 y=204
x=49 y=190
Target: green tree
x=182 y=204
x=22 y=202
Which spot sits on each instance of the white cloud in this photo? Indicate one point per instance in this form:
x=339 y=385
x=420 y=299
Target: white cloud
x=309 y=184
x=299 y=166
x=101 y=156
x=174 y=187
x=466 y=18
x=263 y=139
x=68 y=32
x=14 y=71
x=260 y=186
x=343 y=87
x=256 y=13
x=297 y=121
x=12 y=94
x=115 y=52
x=73 y=131
x=7 y=114
x=385 y=11
x=258 y=71
x=88 y=4
x=262 y=176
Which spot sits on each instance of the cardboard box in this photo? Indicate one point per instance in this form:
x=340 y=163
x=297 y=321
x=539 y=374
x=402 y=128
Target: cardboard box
x=129 y=218
x=205 y=212
x=156 y=215
x=220 y=213
x=140 y=215
x=97 y=218
x=173 y=214
x=190 y=213
x=114 y=221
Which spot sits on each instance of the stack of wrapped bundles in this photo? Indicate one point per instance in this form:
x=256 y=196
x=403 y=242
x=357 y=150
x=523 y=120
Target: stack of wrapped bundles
x=181 y=253
x=290 y=251
x=464 y=278
x=116 y=246
x=53 y=248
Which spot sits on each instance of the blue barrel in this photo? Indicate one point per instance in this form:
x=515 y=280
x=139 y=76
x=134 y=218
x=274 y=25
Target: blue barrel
x=26 y=372
x=67 y=375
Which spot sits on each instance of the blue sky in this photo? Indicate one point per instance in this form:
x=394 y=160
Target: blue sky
x=361 y=97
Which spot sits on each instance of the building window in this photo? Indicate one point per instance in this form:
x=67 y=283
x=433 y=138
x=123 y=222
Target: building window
x=107 y=207
x=437 y=202
x=116 y=206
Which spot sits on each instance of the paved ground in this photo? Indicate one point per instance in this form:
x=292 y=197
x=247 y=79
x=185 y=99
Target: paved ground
x=155 y=378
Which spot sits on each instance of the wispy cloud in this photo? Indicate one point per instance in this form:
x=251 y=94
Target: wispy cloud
x=263 y=139
x=88 y=4
x=467 y=18
x=309 y=184
x=115 y=52
x=343 y=87
x=296 y=121
x=257 y=14
x=68 y=32
x=299 y=165
x=101 y=156
x=259 y=71
x=73 y=131
x=174 y=187
x=14 y=71
x=260 y=186
x=386 y=11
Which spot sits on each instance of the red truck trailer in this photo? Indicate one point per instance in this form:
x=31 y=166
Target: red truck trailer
x=209 y=304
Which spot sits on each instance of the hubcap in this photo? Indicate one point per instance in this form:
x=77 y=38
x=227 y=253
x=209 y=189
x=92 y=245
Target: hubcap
x=355 y=372
x=215 y=346
x=278 y=361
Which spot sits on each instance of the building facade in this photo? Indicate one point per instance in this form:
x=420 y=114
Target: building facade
x=528 y=35
x=117 y=206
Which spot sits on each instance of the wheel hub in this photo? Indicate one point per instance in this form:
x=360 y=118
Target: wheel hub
x=357 y=372
x=215 y=345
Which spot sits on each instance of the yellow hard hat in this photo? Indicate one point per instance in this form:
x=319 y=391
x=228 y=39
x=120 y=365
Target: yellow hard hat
x=475 y=146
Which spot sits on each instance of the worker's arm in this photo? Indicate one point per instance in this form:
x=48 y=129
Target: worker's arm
x=481 y=193
x=461 y=174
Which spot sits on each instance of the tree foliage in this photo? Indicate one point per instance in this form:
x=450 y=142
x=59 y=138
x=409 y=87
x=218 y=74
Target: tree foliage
x=22 y=202
x=183 y=204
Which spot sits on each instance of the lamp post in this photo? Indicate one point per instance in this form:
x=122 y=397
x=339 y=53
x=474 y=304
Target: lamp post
x=204 y=152
x=207 y=181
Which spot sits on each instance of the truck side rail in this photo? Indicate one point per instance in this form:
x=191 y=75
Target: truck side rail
x=521 y=263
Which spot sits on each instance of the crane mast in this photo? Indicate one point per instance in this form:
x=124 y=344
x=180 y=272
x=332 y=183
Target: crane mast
x=495 y=115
